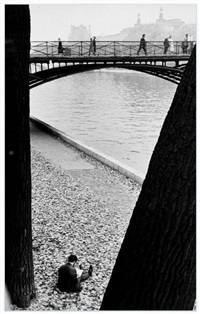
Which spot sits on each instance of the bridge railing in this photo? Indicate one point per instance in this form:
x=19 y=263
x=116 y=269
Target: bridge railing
x=105 y=48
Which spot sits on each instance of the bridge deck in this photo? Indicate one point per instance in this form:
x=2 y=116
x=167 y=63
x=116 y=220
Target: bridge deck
x=58 y=58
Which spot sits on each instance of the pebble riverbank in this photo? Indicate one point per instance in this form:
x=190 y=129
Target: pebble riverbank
x=84 y=211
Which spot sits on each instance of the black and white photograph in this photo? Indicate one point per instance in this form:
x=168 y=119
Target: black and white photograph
x=98 y=130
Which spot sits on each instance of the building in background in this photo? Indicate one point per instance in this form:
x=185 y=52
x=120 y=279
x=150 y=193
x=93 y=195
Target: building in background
x=157 y=31
x=79 y=33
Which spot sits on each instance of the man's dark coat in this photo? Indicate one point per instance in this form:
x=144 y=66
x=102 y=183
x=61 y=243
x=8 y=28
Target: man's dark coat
x=67 y=278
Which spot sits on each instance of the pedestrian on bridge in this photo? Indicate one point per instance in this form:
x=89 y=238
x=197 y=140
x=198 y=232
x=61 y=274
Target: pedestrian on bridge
x=166 y=45
x=171 y=44
x=60 y=47
x=91 y=47
x=190 y=44
x=94 y=45
x=142 y=45
x=185 y=44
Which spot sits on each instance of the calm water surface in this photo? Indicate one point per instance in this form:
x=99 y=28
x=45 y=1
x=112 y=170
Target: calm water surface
x=118 y=112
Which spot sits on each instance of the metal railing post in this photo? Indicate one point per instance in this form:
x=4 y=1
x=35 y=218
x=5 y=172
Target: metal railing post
x=81 y=48
x=47 y=47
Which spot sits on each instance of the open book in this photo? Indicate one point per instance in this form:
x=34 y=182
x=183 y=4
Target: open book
x=79 y=272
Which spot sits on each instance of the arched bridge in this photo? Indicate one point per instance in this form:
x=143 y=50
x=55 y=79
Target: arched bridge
x=47 y=63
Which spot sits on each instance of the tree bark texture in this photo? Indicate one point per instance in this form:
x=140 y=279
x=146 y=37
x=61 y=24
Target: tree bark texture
x=156 y=265
x=19 y=274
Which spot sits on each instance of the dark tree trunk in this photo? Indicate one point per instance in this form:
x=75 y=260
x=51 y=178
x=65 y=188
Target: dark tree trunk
x=18 y=234
x=156 y=265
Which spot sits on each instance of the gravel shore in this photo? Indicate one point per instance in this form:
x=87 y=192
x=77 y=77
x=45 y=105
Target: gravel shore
x=84 y=211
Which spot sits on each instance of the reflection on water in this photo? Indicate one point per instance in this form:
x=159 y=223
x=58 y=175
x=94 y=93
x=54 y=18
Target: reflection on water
x=118 y=112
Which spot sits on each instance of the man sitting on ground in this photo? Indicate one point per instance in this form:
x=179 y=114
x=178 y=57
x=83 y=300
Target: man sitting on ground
x=70 y=276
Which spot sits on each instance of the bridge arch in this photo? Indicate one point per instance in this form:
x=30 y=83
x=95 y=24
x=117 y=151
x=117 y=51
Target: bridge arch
x=44 y=76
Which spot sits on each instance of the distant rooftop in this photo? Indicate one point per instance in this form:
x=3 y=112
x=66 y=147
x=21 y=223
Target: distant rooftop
x=160 y=19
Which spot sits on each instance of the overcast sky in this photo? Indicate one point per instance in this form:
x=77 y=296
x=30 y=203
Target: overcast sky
x=50 y=21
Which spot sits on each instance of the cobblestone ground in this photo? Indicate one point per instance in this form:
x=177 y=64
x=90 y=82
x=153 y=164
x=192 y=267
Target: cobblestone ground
x=84 y=211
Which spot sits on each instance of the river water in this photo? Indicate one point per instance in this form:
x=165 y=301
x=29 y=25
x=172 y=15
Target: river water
x=118 y=112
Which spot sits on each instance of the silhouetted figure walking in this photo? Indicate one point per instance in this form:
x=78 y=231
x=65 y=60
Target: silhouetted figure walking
x=91 y=46
x=60 y=47
x=185 y=44
x=166 y=45
x=94 y=45
x=142 y=45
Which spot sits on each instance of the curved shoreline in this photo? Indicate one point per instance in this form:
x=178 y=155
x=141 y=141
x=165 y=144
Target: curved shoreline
x=79 y=206
x=129 y=172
